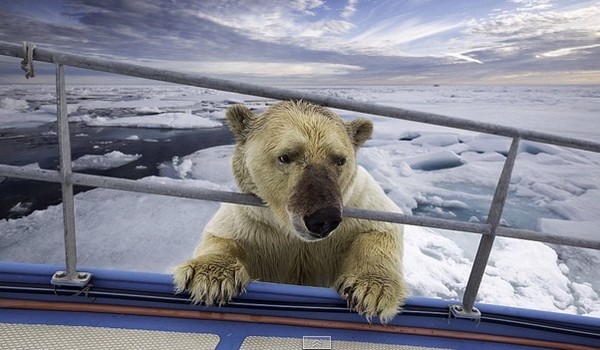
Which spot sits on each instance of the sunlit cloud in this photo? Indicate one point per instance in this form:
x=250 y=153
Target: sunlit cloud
x=532 y=5
x=388 y=36
x=306 y=6
x=265 y=69
x=349 y=9
x=567 y=51
x=462 y=57
x=583 y=20
x=359 y=41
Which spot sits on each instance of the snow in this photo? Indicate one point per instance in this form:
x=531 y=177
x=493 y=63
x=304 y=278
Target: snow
x=160 y=121
x=110 y=225
x=143 y=105
x=426 y=170
x=438 y=160
x=20 y=208
x=17 y=113
x=7 y=103
x=212 y=165
x=439 y=140
x=51 y=109
x=110 y=160
x=11 y=118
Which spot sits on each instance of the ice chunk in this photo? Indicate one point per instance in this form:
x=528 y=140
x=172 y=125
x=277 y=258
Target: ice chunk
x=404 y=169
x=7 y=103
x=147 y=103
x=580 y=208
x=581 y=229
x=115 y=229
x=110 y=160
x=147 y=110
x=51 y=109
x=211 y=164
x=13 y=118
x=409 y=136
x=536 y=281
x=21 y=208
x=490 y=143
x=436 y=160
x=159 y=121
x=536 y=148
x=438 y=140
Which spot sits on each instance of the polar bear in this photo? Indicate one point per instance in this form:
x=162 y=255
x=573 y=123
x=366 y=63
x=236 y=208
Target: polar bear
x=300 y=159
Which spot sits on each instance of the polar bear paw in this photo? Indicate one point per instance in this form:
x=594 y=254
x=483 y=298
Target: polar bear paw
x=372 y=294
x=211 y=279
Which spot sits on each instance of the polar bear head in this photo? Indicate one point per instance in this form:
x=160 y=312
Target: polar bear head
x=300 y=159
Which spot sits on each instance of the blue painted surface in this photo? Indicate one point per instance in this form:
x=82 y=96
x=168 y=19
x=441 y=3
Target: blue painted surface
x=232 y=334
x=155 y=290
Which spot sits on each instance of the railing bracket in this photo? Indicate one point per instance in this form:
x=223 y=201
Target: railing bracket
x=458 y=311
x=61 y=278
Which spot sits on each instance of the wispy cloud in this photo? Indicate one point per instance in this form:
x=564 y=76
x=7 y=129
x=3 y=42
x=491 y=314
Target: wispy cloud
x=527 y=24
x=349 y=9
x=388 y=36
x=357 y=41
x=532 y=5
x=263 y=69
x=567 y=51
x=463 y=57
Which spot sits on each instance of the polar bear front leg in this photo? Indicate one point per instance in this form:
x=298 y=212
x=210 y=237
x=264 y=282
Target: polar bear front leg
x=372 y=279
x=215 y=275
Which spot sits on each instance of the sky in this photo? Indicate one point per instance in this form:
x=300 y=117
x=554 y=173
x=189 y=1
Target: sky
x=320 y=42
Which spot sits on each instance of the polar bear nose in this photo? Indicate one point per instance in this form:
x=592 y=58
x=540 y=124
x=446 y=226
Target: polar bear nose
x=323 y=221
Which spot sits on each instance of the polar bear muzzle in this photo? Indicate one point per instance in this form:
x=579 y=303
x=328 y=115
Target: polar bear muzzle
x=315 y=205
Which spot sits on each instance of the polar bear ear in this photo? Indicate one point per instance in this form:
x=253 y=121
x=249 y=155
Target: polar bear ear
x=360 y=130
x=238 y=119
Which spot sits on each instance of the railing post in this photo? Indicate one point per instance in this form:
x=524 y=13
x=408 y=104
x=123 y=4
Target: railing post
x=467 y=310
x=70 y=276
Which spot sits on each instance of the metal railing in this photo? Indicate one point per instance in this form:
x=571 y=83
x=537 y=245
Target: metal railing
x=67 y=178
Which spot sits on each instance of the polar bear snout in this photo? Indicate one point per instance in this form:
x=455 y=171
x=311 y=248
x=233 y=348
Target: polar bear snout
x=315 y=205
x=323 y=221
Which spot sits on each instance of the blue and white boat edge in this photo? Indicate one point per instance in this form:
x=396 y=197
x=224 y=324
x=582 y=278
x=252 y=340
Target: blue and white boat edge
x=270 y=313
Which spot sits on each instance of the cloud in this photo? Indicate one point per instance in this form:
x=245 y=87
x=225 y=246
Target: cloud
x=306 y=6
x=524 y=22
x=349 y=9
x=532 y=5
x=264 y=69
x=567 y=51
x=135 y=30
x=278 y=22
x=359 y=42
x=388 y=36
x=463 y=57
x=516 y=39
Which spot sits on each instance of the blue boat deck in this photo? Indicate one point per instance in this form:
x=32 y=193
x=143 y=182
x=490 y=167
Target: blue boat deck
x=129 y=310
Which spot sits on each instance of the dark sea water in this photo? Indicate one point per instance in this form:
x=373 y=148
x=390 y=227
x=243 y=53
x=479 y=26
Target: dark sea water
x=39 y=145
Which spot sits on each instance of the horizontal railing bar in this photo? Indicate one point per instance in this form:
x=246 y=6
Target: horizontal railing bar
x=177 y=190
x=30 y=173
x=186 y=78
x=167 y=189
x=414 y=220
x=553 y=238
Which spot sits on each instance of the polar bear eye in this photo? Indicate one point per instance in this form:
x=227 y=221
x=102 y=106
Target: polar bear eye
x=284 y=159
x=341 y=161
